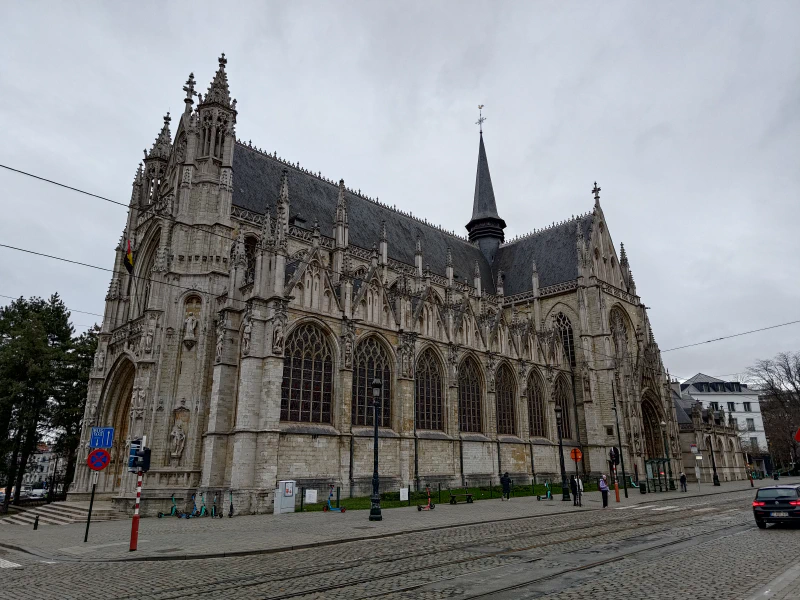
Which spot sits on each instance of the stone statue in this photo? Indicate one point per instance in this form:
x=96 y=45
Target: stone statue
x=100 y=360
x=148 y=340
x=190 y=329
x=178 y=440
x=220 y=339
x=277 y=337
x=246 y=335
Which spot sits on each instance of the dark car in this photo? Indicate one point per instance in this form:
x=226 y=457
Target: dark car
x=777 y=504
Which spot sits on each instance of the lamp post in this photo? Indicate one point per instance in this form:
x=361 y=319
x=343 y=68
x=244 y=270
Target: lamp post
x=619 y=438
x=669 y=462
x=713 y=462
x=564 y=486
x=375 y=509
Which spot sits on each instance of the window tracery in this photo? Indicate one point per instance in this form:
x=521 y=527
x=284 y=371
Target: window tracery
x=504 y=394
x=536 y=405
x=371 y=362
x=563 y=395
x=428 y=391
x=307 y=387
x=564 y=326
x=469 y=396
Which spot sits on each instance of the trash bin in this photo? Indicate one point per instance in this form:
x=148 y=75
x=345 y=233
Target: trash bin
x=285 y=496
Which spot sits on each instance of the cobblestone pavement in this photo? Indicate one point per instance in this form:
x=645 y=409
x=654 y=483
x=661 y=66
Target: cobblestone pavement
x=678 y=547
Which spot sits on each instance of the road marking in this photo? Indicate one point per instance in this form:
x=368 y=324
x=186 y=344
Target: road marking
x=7 y=564
x=643 y=507
x=664 y=508
x=703 y=509
x=622 y=507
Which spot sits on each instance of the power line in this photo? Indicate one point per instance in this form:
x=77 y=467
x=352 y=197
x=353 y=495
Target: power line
x=727 y=337
x=69 y=187
x=72 y=310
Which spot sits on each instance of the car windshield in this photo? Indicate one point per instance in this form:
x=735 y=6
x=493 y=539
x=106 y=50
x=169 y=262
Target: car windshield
x=777 y=493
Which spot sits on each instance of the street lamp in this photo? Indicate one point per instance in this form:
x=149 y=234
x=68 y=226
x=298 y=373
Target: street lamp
x=666 y=450
x=619 y=438
x=375 y=509
x=713 y=462
x=564 y=486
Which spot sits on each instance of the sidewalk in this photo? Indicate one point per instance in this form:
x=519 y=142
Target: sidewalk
x=175 y=539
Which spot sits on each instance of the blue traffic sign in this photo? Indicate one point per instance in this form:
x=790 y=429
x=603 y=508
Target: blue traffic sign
x=102 y=437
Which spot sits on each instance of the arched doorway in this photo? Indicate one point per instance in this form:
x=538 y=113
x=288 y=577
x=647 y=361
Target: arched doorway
x=653 y=445
x=116 y=412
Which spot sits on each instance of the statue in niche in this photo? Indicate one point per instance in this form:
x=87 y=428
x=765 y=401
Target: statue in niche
x=148 y=340
x=277 y=337
x=247 y=333
x=177 y=440
x=190 y=330
x=220 y=339
x=100 y=360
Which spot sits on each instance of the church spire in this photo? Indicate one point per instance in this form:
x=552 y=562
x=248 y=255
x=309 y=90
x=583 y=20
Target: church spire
x=163 y=144
x=218 y=91
x=486 y=226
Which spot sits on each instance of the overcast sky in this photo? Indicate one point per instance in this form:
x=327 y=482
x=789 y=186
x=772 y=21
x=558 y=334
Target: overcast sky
x=686 y=114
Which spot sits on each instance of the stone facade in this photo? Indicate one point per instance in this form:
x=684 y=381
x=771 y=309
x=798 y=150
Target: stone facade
x=244 y=343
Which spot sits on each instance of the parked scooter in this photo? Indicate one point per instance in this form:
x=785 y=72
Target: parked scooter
x=330 y=507
x=173 y=511
x=429 y=505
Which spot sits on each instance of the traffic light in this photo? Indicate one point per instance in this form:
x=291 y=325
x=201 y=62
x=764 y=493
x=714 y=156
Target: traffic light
x=614 y=455
x=139 y=457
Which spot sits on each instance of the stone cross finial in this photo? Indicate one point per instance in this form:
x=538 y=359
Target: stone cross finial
x=481 y=118
x=596 y=192
x=189 y=88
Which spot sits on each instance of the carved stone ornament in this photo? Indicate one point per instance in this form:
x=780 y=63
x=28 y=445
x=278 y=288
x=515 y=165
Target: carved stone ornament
x=491 y=371
x=187 y=176
x=177 y=440
x=406 y=354
x=138 y=401
x=148 y=340
x=452 y=360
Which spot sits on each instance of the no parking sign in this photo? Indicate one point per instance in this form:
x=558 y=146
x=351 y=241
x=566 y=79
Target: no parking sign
x=98 y=459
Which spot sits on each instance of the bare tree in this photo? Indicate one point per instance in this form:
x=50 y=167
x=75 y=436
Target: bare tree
x=778 y=382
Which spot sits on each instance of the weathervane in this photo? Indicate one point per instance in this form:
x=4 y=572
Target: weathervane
x=481 y=118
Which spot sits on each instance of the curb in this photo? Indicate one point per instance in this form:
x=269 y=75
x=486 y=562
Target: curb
x=263 y=551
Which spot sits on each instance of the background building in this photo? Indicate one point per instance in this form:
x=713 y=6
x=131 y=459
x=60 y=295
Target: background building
x=264 y=299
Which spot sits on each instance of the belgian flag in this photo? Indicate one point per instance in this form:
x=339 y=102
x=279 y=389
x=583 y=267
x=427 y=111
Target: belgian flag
x=128 y=261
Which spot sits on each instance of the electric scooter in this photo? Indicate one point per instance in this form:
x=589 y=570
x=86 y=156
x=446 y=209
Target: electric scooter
x=173 y=512
x=427 y=506
x=215 y=512
x=548 y=494
x=194 y=513
x=203 y=511
x=329 y=507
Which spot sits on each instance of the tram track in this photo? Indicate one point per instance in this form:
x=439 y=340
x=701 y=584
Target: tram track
x=588 y=531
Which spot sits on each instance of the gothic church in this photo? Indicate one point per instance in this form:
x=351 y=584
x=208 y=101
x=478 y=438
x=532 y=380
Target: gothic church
x=245 y=342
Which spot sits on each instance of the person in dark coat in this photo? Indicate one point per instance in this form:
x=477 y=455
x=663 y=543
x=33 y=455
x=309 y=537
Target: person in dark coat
x=604 y=490
x=683 y=482
x=573 y=486
x=505 y=481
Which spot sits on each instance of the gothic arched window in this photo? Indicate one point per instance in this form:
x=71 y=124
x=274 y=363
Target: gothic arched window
x=505 y=391
x=370 y=362
x=469 y=396
x=536 y=405
x=564 y=327
x=307 y=387
x=563 y=395
x=428 y=391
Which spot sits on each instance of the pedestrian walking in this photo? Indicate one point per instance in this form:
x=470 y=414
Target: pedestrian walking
x=683 y=482
x=505 y=481
x=573 y=486
x=604 y=490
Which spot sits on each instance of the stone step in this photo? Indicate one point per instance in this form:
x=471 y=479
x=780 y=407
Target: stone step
x=63 y=513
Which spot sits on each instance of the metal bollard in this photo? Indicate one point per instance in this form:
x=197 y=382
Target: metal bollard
x=440 y=493
x=302 y=498
x=36 y=523
x=337 y=498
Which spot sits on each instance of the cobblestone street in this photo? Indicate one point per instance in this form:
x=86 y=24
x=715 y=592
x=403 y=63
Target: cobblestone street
x=656 y=546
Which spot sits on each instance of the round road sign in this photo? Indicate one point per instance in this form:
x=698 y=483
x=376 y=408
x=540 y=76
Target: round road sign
x=98 y=459
x=575 y=454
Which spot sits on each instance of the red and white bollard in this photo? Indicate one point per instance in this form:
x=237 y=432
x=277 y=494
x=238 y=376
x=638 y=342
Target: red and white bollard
x=135 y=522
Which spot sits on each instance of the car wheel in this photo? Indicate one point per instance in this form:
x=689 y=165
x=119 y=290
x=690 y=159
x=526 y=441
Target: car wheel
x=761 y=524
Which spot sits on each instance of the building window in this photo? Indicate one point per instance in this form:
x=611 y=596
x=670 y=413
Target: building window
x=504 y=394
x=731 y=407
x=564 y=327
x=536 y=405
x=469 y=396
x=371 y=362
x=609 y=430
x=428 y=391
x=753 y=444
x=751 y=425
x=563 y=396
x=715 y=406
x=746 y=407
x=307 y=386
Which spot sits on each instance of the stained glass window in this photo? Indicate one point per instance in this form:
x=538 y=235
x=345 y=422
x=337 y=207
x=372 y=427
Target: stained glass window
x=536 y=405
x=371 y=361
x=307 y=388
x=428 y=391
x=469 y=396
x=505 y=390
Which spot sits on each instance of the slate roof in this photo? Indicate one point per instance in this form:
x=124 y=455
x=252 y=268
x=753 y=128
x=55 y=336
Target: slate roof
x=554 y=250
x=256 y=185
x=700 y=377
x=682 y=412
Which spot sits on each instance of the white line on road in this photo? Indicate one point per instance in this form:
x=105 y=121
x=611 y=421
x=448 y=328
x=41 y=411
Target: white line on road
x=643 y=507
x=664 y=508
x=703 y=509
x=7 y=564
